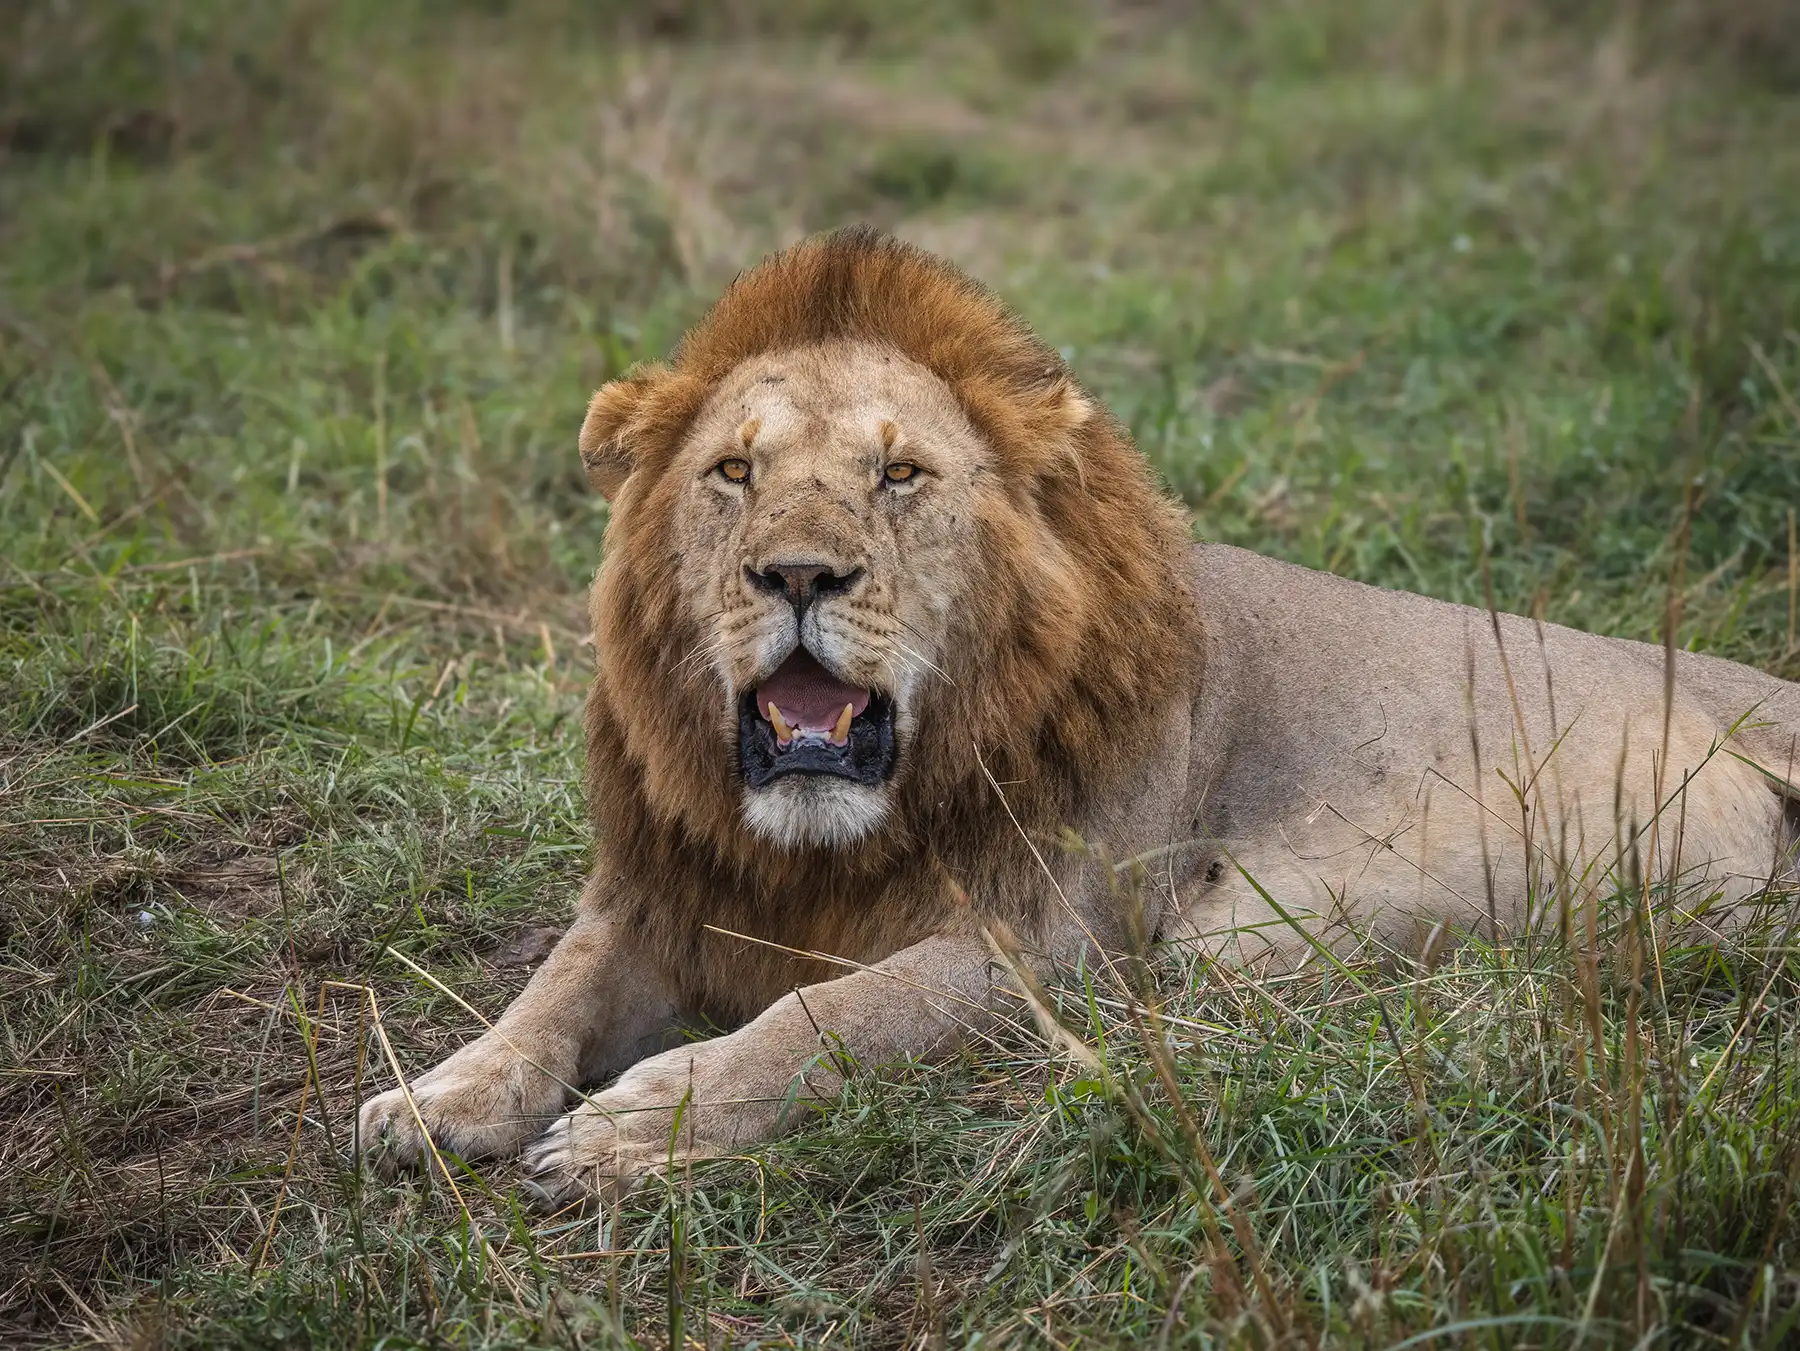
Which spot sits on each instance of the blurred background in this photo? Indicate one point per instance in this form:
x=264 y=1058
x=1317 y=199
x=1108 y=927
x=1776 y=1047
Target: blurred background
x=1368 y=278
x=300 y=304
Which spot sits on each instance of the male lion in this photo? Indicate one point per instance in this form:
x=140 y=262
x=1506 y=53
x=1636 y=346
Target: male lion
x=888 y=601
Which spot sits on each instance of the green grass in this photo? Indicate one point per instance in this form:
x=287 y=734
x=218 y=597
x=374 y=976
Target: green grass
x=299 y=304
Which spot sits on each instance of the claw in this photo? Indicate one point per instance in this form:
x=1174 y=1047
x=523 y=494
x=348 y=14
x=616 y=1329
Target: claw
x=552 y=1195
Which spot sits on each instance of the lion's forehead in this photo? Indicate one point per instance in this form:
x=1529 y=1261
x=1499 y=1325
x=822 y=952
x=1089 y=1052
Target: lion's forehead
x=849 y=396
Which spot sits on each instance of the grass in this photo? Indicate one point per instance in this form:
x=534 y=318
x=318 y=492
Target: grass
x=299 y=304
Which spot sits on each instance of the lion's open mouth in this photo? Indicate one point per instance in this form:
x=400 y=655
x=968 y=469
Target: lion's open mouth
x=804 y=720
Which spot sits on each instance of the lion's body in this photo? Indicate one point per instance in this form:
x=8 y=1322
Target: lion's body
x=1336 y=760
x=861 y=475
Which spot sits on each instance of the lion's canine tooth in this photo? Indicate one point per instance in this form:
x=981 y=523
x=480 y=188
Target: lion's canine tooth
x=783 y=733
x=841 y=733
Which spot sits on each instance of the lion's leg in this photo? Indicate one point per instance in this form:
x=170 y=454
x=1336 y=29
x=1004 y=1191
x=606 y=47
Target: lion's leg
x=597 y=1003
x=749 y=1086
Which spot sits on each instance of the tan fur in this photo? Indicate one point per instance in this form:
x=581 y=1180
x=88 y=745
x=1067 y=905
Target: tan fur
x=1059 y=656
x=1383 y=762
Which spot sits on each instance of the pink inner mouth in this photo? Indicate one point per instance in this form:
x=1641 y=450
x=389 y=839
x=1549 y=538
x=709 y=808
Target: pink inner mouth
x=808 y=700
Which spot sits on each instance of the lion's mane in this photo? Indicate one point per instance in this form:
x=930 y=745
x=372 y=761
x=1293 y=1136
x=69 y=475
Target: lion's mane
x=1051 y=692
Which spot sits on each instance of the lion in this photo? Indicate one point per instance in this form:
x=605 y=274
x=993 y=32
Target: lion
x=889 y=606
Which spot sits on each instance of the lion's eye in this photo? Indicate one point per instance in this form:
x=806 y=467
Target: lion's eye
x=733 y=470
x=900 y=472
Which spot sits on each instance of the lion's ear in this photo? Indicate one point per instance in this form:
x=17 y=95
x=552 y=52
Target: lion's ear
x=1062 y=405
x=614 y=420
x=1036 y=427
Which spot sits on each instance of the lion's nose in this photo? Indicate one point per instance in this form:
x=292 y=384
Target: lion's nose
x=801 y=583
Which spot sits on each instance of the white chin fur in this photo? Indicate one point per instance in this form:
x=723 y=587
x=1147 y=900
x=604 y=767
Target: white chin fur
x=807 y=809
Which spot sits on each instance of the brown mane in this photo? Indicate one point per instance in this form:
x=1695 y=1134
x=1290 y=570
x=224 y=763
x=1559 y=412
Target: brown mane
x=1057 y=691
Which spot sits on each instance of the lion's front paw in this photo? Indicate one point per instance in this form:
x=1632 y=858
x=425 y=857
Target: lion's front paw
x=652 y=1120
x=583 y=1155
x=481 y=1102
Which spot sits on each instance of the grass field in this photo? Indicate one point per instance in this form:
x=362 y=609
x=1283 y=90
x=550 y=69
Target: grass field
x=299 y=306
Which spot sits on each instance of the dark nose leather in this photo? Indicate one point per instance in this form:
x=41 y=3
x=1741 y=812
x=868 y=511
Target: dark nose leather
x=801 y=583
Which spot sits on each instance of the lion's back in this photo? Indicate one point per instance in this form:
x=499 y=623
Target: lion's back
x=1318 y=686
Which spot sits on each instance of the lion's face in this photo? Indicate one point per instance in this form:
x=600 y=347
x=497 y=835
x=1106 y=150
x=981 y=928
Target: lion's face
x=876 y=564
x=829 y=498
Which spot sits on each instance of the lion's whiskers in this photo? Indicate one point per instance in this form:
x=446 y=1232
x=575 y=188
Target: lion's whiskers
x=705 y=648
x=923 y=660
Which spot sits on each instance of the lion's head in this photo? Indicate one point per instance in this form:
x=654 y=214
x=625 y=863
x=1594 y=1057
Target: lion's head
x=870 y=543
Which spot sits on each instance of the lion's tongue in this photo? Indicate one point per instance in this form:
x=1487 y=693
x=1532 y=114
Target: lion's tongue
x=809 y=697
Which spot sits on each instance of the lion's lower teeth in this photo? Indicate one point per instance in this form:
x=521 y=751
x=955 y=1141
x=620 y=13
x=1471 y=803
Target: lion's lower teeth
x=813 y=734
